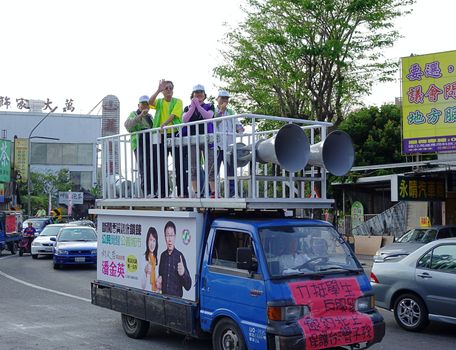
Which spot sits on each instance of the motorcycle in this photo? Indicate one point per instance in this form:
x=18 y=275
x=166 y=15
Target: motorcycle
x=25 y=244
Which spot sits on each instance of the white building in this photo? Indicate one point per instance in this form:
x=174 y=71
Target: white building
x=74 y=150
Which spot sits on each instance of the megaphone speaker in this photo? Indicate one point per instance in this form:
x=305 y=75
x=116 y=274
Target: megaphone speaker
x=289 y=148
x=335 y=153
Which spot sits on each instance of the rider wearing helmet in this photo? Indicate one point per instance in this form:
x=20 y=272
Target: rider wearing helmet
x=29 y=230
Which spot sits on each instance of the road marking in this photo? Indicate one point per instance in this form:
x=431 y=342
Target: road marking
x=42 y=288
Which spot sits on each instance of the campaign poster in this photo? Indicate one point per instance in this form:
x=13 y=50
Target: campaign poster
x=149 y=250
x=429 y=103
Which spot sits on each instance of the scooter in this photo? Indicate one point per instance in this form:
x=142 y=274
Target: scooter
x=25 y=244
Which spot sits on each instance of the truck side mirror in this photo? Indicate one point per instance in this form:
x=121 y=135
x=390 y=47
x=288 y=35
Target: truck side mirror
x=244 y=259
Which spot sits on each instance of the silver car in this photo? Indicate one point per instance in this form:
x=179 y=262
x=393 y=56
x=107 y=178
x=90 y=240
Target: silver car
x=42 y=245
x=412 y=240
x=419 y=287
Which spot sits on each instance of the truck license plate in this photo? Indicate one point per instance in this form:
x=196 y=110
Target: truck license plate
x=80 y=259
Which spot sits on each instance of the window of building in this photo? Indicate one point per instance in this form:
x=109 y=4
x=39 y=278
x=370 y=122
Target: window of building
x=61 y=153
x=54 y=154
x=38 y=153
x=68 y=153
x=81 y=179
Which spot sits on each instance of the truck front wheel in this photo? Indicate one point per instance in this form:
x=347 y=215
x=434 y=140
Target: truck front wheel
x=227 y=336
x=134 y=327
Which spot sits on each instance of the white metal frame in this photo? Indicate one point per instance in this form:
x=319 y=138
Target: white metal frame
x=257 y=185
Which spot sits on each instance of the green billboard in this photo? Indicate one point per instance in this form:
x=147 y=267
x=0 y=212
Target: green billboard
x=5 y=161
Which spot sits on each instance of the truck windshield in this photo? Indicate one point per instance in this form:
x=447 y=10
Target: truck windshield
x=296 y=250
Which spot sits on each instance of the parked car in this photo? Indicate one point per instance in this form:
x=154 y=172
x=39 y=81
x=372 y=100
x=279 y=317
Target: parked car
x=420 y=287
x=38 y=223
x=412 y=240
x=75 y=245
x=83 y=223
x=42 y=245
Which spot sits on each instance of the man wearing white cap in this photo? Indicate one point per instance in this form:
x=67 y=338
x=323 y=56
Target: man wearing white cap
x=140 y=143
x=227 y=128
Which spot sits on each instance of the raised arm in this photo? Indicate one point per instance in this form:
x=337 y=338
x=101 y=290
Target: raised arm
x=187 y=115
x=205 y=114
x=132 y=120
x=161 y=87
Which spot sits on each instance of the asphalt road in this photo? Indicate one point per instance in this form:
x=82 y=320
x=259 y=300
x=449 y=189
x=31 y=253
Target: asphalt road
x=45 y=308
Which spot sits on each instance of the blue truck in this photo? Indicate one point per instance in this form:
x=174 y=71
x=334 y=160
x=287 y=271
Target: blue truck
x=252 y=282
x=237 y=259
x=10 y=230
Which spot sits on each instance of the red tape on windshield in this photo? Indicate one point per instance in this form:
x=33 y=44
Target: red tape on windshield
x=333 y=320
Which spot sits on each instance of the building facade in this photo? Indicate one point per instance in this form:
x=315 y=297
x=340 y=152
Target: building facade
x=75 y=147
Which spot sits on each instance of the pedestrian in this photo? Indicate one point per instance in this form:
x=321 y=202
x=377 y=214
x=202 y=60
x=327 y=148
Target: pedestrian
x=40 y=212
x=227 y=129
x=196 y=111
x=168 y=111
x=172 y=270
x=137 y=121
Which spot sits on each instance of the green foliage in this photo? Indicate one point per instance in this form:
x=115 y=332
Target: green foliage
x=96 y=191
x=41 y=185
x=309 y=59
x=376 y=134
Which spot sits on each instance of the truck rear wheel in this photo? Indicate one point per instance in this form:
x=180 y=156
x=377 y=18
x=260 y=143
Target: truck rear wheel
x=227 y=336
x=134 y=327
x=12 y=247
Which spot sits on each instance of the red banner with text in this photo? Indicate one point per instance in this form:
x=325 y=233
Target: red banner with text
x=333 y=319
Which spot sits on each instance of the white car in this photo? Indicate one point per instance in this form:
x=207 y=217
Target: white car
x=42 y=244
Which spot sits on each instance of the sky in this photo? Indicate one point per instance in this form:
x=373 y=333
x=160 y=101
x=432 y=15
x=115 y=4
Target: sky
x=84 y=50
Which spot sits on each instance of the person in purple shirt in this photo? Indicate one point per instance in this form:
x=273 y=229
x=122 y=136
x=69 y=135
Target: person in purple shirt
x=29 y=231
x=198 y=110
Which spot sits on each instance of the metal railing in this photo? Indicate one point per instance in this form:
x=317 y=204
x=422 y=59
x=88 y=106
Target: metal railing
x=160 y=166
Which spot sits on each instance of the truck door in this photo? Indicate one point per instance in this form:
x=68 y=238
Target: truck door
x=237 y=293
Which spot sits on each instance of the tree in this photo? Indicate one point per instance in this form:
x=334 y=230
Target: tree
x=376 y=134
x=309 y=59
x=42 y=184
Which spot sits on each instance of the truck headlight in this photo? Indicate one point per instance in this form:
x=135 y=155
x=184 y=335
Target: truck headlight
x=365 y=303
x=287 y=313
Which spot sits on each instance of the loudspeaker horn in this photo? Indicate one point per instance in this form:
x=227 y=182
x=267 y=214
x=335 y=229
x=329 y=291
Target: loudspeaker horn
x=336 y=153
x=289 y=148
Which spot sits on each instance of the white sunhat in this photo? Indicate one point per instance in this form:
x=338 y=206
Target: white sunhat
x=144 y=98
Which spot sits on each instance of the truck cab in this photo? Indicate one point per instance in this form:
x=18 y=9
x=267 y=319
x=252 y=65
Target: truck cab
x=250 y=271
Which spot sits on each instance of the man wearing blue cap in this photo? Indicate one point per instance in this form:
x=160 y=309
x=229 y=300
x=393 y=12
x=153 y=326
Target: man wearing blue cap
x=140 y=142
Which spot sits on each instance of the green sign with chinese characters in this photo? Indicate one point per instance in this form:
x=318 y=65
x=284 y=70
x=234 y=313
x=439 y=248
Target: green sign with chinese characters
x=357 y=214
x=412 y=188
x=5 y=161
